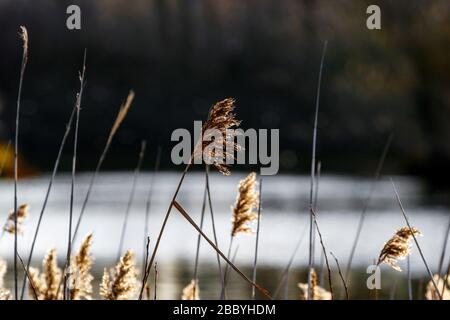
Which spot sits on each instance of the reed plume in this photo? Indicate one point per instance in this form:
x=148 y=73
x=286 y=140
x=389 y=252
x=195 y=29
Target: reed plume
x=221 y=117
x=218 y=134
x=398 y=247
x=22 y=214
x=244 y=212
x=46 y=284
x=313 y=290
x=120 y=283
x=81 y=278
x=5 y=294
x=430 y=293
x=191 y=291
x=246 y=204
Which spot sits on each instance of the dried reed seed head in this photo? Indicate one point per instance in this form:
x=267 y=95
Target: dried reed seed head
x=52 y=276
x=105 y=285
x=246 y=204
x=191 y=291
x=315 y=291
x=443 y=286
x=217 y=143
x=22 y=214
x=398 y=247
x=81 y=278
x=46 y=283
x=23 y=34
x=121 y=282
x=121 y=115
x=36 y=283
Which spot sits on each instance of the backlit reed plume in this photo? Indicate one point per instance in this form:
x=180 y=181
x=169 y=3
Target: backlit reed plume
x=398 y=247
x=244 y=211
x=191 y=291
x=442 y=284
x=46 y=284
x=315 y=291
x=120 y=283
x=5 y=294
x=22 y=214
x=218 y=136
x=81 y=278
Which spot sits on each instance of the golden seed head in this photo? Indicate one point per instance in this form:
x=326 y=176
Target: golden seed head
x=398 y=247
x=244 y=211
x=120 y=283
x=81 y=278
x=191 y=291
x=217 y=144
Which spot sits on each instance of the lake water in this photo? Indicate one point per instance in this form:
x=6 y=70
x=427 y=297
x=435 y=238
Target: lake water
x=284 y=220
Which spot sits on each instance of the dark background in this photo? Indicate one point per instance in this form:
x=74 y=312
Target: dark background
x=182 y=56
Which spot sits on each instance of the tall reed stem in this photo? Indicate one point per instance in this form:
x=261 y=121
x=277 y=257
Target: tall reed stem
x=131 y=198
x=410 y=293
x=199 y=237
x=24 y=37
x=120 y=117
x=340 y=275
x=255 y=262
x=366 y=206
x=67 y=271
x=284 y=275
x=415 y=239
x=166 y=218
x=313 y=170
x=47 y=194
x=225 y=280
x=213 y=224
x=148 y=206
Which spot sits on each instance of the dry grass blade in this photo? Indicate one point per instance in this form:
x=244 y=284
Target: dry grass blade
x=189 y=219
x=119 y=119
x=398 y=247
x=315 y=291
x=191 y=291
x=121 y=115
x=120 y=282
x=340 y=275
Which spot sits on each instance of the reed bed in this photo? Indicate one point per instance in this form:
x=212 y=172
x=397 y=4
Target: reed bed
x=74 y=280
